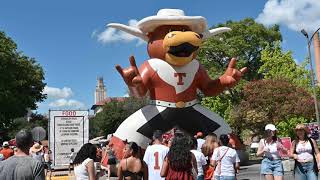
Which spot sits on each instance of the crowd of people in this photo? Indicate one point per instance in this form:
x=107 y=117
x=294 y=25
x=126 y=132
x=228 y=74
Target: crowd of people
x=181 y=157
x=178 y=158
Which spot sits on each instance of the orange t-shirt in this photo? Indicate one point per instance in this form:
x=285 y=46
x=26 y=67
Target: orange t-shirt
x=7 y=152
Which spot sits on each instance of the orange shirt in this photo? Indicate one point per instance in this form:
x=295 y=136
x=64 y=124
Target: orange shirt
x=7 y=152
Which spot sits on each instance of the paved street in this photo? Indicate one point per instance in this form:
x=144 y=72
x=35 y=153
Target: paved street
x=250 y=172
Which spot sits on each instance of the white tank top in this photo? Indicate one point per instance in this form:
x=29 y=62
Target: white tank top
x=273 y=150
x=304 y=151
x=80 y=171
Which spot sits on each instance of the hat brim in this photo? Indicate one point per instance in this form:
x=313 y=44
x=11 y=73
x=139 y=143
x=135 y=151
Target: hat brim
x=271 y=129
x=197 y=24
x=36 y=150
x=303 y=128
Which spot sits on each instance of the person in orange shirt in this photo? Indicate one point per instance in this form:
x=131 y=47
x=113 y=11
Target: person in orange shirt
x=6 y=150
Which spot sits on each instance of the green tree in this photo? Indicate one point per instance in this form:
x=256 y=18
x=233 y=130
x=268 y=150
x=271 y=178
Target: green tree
x=21 y=83
x=220 y=104
x=246 y=41
x=286 y=127
x=113 y=114
x=278 y=64
x=22 y=123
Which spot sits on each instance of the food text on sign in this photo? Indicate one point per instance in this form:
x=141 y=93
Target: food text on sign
x=69 y=113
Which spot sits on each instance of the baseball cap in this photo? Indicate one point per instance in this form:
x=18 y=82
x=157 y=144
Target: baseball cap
x=5 y=144
x=270 y=127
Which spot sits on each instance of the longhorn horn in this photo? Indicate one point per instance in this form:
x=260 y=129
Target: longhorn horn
x=130 y=30
x=215 y=31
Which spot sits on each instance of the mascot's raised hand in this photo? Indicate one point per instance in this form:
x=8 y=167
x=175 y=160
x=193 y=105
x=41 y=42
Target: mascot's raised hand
x=132 y=77
x=232 y=75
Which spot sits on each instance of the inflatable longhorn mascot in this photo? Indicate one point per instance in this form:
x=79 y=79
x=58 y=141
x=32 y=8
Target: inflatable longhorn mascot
x=172 y=77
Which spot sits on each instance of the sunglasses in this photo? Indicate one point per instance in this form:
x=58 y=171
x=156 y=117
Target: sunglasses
x=268 y=130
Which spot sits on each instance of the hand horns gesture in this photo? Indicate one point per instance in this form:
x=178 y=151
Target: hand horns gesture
x=131 y=74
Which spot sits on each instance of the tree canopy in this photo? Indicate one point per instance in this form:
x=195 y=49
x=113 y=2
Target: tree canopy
x=21 y=83
x=113 y=114
x=246 y=41
x=275 y=90
x=278 y=64
x=271 y=101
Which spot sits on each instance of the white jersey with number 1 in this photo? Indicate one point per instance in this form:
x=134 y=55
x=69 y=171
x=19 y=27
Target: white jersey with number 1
x=154 y=157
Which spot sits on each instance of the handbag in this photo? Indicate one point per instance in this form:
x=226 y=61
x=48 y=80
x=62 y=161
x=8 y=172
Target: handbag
x=194 y=173
x=219 y=161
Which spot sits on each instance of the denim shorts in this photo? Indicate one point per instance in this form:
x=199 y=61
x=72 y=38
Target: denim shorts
x=225 y=177
x=305 y=171
x=272 y=167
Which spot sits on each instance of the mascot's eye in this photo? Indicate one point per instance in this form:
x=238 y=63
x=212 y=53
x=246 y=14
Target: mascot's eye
x=171 y=35
x=199 y=36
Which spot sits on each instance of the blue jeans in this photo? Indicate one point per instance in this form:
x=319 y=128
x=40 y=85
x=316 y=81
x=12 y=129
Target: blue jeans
x=305 y=171
x=224 y=177
x=201 y=177
x=272 y=167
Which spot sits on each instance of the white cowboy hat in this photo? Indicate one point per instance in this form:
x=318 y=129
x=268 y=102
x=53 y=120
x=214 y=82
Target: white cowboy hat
x=36 y=148
x=197 y=24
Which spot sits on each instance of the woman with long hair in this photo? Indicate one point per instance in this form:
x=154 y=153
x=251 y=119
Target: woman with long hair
x=270 y=148
x=131 y=167
x=210 y=143
x=180 y=163
x=304 y=151
x=84 y=162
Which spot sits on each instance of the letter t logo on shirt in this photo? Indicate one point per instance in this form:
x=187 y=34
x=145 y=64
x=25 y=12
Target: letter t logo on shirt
x=180 y=78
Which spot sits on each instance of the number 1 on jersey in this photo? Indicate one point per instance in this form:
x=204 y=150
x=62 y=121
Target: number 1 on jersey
x=156 y=156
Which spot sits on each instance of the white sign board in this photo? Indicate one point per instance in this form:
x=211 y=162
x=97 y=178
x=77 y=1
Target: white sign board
x=67 y=129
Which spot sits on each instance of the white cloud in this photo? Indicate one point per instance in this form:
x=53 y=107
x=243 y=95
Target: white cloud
x=71 y=103
x=53 y=92
x=111 y=35
x=295 y=14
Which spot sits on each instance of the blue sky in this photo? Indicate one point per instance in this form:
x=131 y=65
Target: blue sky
x=69 y=38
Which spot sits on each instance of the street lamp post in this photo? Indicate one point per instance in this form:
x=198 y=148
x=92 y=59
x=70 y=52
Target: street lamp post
x=311 y=70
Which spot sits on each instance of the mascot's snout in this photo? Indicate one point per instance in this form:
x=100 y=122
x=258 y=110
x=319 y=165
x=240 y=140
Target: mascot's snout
x=180 y=46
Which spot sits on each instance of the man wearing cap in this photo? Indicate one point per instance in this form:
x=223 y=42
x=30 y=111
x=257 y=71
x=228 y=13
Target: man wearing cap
x=155 y=155
x=172 y=76
x=6 y=151
x=21 y=165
